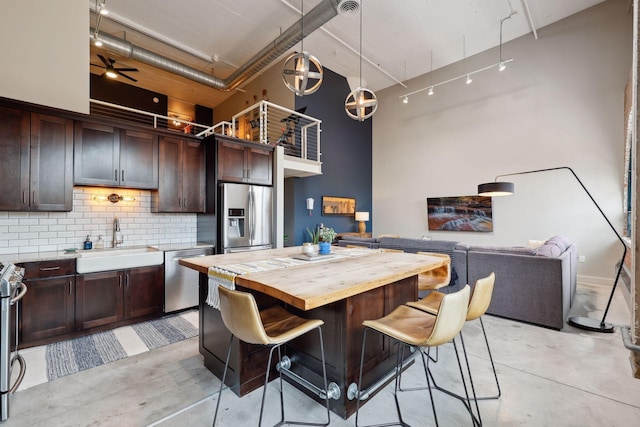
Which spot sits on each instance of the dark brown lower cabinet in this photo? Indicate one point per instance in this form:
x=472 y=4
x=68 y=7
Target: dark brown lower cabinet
x=113 y=296
x=47 y=308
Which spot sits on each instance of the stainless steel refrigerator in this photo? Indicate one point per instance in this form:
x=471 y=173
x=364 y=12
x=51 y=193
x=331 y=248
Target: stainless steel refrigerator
x=246 y=218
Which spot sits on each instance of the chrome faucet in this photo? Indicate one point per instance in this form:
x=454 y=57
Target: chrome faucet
x=116 y=231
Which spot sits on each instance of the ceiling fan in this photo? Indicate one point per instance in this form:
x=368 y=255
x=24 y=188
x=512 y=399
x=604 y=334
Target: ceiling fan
x=113 y=72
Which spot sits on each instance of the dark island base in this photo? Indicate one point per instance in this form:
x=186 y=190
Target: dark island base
x=342 y=333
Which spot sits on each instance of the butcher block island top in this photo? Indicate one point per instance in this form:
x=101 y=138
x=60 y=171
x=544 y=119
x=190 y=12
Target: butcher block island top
x=321 y=281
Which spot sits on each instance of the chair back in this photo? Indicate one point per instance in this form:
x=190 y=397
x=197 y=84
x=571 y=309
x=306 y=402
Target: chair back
x=241 y=316
x=435 y=279
x=481 y=297
x=450 y=318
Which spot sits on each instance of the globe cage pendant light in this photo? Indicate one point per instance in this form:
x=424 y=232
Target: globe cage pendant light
x=361 y=103
x=302 y=73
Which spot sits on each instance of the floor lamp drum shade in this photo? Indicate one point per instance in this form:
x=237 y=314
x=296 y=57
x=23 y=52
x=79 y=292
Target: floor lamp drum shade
x=496 y=189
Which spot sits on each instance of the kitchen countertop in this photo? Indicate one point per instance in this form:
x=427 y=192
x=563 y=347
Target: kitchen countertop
x=54 y=255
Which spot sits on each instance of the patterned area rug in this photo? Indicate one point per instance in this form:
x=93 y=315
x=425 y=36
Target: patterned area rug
x=78 y=354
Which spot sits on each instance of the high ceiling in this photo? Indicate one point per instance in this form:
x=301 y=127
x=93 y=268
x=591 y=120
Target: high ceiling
x=399 y=38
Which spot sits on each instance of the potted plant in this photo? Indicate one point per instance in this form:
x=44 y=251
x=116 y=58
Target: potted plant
x=326 y=236
x=311 y=248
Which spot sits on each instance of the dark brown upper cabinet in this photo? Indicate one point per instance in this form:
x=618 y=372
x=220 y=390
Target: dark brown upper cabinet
x=105 y=155
x=181 y=181
x=37 y=161
x=246 y=163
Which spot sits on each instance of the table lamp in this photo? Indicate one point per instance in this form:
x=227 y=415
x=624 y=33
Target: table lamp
x=361 y=217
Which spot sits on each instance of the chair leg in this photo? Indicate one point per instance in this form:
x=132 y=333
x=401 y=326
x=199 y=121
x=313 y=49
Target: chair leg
x=264 y=390
x=398 y=368
x=464 y=399
x=324 y=376
x=326 y=388
x=493 y=366
x=224 y=377
x=474 y=420
x=425 y=364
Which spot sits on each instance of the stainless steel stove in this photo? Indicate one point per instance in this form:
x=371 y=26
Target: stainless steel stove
x=11 y=291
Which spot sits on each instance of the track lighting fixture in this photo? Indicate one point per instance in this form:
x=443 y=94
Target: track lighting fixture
x=102 y=8
x=467 y=75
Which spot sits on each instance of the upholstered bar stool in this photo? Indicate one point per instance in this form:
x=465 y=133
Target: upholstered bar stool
x=434 y=279
x=272 y=327
x=478 y=305
x=415 y=328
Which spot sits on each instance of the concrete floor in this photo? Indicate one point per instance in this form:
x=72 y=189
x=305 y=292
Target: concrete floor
x=548 y=378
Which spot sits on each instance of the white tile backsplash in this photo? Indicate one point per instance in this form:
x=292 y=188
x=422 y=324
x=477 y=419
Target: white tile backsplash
x=23 y=232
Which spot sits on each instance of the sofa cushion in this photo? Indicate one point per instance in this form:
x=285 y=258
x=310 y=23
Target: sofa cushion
x=517 y=250
x=548 y=250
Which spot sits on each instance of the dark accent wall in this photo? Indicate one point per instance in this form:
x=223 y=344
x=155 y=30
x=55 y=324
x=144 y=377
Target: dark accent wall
x=346 y=163
x=204 y=115
x=115 y=92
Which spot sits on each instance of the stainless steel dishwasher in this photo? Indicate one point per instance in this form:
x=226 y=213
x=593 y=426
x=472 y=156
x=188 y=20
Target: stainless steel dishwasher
x=181 y=283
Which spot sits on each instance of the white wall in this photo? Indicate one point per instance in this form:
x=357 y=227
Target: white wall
x=45 y=53
x=560 y=103
x=25 y=232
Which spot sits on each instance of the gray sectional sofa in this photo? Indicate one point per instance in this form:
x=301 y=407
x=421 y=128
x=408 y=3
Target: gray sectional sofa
x=532 y=285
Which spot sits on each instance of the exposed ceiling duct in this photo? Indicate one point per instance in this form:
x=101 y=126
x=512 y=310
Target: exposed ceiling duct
x=314 y=19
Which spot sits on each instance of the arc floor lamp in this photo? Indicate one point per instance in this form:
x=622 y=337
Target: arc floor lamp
x=503 y=188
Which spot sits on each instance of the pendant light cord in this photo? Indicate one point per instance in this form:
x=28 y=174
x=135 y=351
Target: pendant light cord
x=361 y=9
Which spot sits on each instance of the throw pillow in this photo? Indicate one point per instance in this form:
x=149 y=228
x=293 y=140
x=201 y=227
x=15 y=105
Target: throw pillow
x=535 y=244
x=550 y=250
x=561 y=242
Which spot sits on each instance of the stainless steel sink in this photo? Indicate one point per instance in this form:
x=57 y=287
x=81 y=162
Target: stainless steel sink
x=118 y=258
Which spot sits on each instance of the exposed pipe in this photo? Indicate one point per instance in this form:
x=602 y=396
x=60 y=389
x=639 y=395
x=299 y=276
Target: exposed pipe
x=318 y=16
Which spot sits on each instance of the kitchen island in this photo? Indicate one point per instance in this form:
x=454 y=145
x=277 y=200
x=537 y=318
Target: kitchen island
x=343 y=290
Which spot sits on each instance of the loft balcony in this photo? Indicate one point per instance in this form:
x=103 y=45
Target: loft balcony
x=271 y=124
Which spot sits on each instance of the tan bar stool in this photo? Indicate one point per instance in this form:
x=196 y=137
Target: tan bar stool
x=478 y=305
x=435 y=279
x=416 y=328
x=273 y=327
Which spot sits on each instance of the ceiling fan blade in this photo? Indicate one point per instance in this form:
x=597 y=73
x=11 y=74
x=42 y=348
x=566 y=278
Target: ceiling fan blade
x=98 y=65
x=103 y=59
x=126 y=77
x=126 y=69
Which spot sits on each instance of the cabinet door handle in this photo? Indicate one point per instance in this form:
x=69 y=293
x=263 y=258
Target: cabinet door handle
x=70 y=291
x=33 y=198
x=24 y=195
x=122 y=180
x=184 y=203
x=179 y=200
x=115 y=176
x=49 y=268
x=119 y=281
x=126 y=280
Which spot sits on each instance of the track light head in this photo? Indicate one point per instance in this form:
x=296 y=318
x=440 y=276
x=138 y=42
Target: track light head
x=469 y=80
x=430 y=91
x=405 y=100
x=502 y=66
